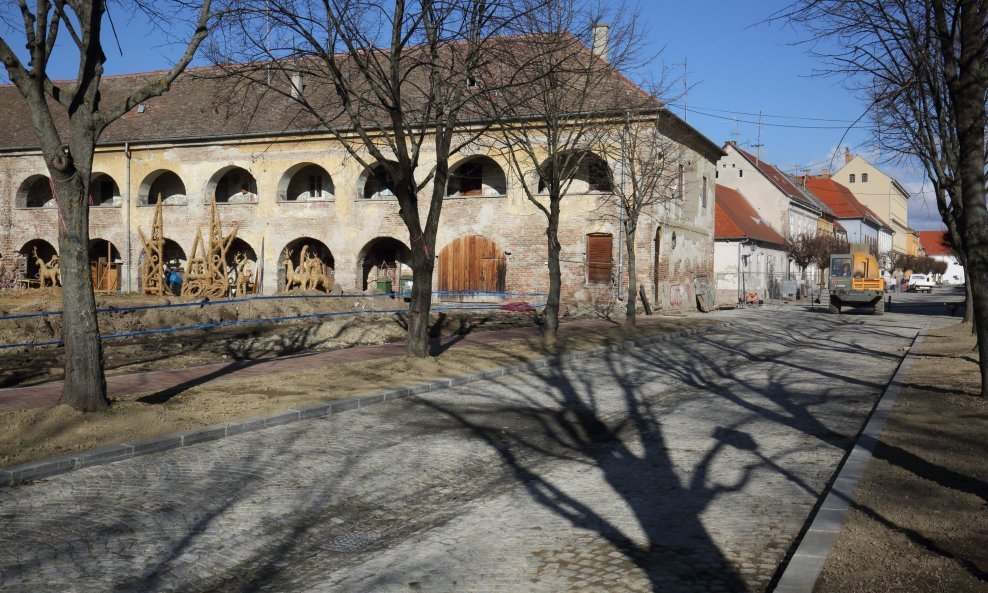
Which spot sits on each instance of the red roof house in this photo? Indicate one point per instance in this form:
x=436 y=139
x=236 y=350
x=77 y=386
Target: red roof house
x=736 y=219
x=935 y=243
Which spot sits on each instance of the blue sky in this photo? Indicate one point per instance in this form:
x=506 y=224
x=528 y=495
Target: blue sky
x=738 y=66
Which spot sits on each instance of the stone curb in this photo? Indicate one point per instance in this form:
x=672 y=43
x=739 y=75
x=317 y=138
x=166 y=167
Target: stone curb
x=19 y=474
x=803 y=568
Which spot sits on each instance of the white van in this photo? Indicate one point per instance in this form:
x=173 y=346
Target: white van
x=920 y=283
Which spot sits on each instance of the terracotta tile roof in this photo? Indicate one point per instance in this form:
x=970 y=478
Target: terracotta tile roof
x=204 y=104
x=736 y=218
x=784 y=183
x=935 y=243
x=841 y=201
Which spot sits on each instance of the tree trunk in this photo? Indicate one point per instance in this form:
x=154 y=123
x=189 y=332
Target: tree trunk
x=631 y=307
x=550 y=326
x=968 y=93
x=421 y=302
x=85 y=384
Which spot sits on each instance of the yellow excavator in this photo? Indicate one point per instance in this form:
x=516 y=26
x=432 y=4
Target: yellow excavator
x=856 y=280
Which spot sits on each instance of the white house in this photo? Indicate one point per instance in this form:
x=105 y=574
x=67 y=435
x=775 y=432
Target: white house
x=936 y=246
x=749 y=255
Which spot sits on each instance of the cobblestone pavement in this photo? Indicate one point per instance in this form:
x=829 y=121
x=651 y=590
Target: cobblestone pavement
x=687 y=466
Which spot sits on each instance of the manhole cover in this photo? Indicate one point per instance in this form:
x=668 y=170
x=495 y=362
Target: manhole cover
x=350 y=542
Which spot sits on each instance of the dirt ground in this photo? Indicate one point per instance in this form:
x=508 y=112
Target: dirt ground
x=919 y=521
x=45 y=432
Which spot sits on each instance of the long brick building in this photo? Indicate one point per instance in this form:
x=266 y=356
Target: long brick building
x=287 y=185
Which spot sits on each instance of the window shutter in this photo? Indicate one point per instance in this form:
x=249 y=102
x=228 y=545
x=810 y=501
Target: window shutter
x=599 y=247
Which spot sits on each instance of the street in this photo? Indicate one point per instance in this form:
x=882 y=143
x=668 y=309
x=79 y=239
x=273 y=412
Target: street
x=690 y=465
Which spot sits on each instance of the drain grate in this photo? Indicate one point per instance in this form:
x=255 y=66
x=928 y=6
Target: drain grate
x=350 y=542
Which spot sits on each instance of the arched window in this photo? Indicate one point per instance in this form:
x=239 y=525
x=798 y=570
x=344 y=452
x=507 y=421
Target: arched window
x=162 y=185
x=232 y=185
x=104 y=191
x=585 y=172
x=864 y=178
x=379 y=183
x=306 y=182
x=850 y=178
x=476 y=176
x=35 y=192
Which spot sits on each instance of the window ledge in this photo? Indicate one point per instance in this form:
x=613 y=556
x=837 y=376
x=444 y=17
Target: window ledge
x=477 y=197
x=319 y=201
x=173 y=204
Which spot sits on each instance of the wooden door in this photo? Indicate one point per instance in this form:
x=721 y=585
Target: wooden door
x=472 y=264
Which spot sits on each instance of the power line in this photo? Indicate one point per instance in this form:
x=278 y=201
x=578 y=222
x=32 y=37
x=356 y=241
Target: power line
x=698 y=111
x=845 y=121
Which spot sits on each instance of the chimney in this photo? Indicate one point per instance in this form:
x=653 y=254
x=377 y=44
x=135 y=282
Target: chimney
x=601 y=39
x=847 y=155
x=297 y=85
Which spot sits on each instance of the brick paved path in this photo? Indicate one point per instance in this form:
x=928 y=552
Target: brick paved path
x=46 y=394
x=688 y=466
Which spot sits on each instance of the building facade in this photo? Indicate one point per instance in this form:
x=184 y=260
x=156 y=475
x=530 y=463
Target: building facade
x=293 y=192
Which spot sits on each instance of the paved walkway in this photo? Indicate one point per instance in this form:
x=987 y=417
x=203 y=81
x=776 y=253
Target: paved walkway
x=46 y=394
x=685 y=466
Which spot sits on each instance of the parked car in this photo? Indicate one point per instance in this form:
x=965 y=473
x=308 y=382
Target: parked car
x=920 y=283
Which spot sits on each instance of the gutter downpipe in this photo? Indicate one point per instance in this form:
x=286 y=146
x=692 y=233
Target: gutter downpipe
x=129 y=267
x=622 y=198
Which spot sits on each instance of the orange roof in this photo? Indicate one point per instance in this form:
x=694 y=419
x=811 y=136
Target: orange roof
x=840 y=199
x=935 y=243
x=736 y=218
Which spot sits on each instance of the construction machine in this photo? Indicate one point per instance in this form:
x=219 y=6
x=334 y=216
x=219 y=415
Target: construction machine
x=856 y=281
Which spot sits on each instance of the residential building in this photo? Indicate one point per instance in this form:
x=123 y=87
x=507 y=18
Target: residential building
x=860 y=223
x=883 y=194
x=937 y=246
x=749 y=255
x=777 y=197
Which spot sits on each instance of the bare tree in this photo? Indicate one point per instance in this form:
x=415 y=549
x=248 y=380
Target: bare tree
x=807 y=249
x=392 y=82
x=923 y=67
x=68 y=119
x=563 y=99
x=649 y=161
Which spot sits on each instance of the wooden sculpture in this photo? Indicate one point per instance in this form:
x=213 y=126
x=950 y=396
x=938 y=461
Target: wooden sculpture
x=293 y=277
x=47 y=271
x=315 y=272
x=245 y=274
x=153 y=269
x=207 y=272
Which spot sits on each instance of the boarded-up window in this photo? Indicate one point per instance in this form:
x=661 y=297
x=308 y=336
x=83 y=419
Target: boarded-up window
x=599 y=248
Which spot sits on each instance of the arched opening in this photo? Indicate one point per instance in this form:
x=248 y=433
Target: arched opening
x=586 y=172
x=472 y=264
x=173 y=258
x=477 y=176
x=306 y=264
x=378 y=183
x=233 y=185
x=241 y=260
x=41 y=256
x=306 y=182
x=35 y=192
x=104 y=191
x=383 y=258
x=104 y=265
x=162 y=185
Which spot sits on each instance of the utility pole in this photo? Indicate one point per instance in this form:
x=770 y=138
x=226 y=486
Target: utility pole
x=758 y=145
x=686 y=89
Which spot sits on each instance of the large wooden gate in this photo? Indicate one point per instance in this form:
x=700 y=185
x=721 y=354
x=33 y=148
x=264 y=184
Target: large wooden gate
x=472 y=263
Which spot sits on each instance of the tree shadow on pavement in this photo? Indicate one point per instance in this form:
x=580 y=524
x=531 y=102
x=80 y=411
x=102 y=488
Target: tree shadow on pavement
x=669 y=478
